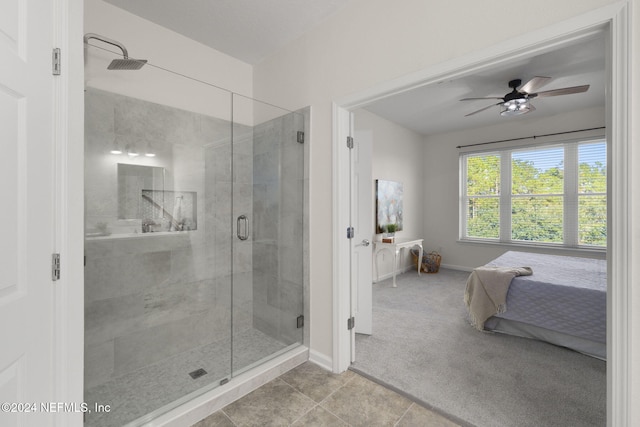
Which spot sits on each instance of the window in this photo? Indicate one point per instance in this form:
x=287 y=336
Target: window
x=483 y=196
x=551 y=194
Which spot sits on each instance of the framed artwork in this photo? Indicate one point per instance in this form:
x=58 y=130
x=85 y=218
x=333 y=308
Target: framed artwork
x=388 y=206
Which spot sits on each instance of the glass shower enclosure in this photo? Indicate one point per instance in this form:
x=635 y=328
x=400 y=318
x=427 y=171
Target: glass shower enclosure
x=193 y=238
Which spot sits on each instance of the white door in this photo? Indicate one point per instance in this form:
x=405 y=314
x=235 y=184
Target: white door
x=27 y=210
x=362 y=220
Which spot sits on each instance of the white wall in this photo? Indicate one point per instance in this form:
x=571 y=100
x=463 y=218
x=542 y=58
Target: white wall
x=397 y=156
x=373 y=41
x=167 y=49
x=441 y=164
x=428 y=166
x=367 y=43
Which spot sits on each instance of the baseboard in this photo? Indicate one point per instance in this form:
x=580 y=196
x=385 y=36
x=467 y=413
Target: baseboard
x=456 y=267
x=413 y=267
x=321 y=360
x=398 y=271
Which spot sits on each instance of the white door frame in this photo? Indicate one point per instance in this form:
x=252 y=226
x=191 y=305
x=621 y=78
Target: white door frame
x=67 y=113
x=616 y=18
x=341 y=248
x=68 y=110
x=362 y=217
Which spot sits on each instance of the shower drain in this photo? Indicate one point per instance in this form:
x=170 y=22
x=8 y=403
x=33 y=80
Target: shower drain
x=197 y=373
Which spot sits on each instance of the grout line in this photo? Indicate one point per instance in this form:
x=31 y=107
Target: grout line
x=331 y=394
x=403 y=414
x=297 y=391
x=338 y=417
x=303 y=415
x=285 y=381
x=319 y=404
x=228 y=417
x=314 y=406
x=303 y=395
x=336 y=390
x=450 y=417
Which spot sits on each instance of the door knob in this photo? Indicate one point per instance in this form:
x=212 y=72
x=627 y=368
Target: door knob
x=364 y=242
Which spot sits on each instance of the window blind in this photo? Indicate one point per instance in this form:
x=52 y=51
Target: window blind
x=550 y=194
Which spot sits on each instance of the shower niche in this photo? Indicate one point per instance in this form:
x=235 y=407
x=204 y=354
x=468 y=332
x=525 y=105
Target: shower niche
x=169 y=211
x=143 y=195
x=195 y=255
x=132 y=181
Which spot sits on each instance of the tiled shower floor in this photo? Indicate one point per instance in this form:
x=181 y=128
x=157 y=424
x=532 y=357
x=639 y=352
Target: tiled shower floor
x=133 y=395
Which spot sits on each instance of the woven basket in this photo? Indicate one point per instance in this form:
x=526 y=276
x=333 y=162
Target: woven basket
x=430 y=261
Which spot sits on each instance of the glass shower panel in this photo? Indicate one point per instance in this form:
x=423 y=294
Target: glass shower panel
x=268 y=232
x=158 y=188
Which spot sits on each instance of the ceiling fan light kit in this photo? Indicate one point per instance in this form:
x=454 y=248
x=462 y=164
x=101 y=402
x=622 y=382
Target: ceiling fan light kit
x=517 y=102
x=515 y=107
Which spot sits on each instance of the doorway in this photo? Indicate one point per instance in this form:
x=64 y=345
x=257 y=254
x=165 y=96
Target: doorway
x=617 y=126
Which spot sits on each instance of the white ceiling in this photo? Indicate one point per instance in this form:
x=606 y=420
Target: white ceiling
x=437 y=108
x=251 y=30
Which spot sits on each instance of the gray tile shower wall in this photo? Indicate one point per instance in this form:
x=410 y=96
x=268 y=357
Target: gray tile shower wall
x=278 y=236
x=151 y=296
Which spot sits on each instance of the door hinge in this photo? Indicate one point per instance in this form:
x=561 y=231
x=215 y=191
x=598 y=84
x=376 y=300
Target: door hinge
x=351 y=323
x=300 y=322
x=350 y=233
x=349 y=142
x=300 y=137
x=55 y=267
x=55 y=61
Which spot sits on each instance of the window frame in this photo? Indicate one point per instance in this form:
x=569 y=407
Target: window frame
x=571 y=195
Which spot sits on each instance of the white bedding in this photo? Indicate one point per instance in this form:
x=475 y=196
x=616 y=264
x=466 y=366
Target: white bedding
x=563 y=302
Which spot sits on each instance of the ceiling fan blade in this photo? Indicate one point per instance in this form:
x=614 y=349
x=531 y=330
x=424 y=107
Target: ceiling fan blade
x=563 y=91
x=482 y=109
x=488 y=97
x=534 y=84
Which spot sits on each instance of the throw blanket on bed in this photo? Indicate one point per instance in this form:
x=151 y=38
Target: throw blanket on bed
x=486 y=293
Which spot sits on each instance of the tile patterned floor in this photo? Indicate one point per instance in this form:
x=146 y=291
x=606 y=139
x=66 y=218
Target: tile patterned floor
x=145 y=390
x=311 y=396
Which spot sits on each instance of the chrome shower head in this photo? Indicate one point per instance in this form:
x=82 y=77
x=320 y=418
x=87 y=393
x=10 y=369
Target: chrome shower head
x=125 y=63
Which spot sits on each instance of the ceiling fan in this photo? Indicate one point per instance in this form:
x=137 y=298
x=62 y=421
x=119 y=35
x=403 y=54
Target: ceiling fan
x=517 y=101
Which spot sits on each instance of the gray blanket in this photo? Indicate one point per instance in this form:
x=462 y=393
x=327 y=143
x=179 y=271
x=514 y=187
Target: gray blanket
x=486 y=292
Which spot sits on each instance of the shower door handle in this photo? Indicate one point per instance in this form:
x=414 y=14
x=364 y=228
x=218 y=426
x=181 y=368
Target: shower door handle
x=244 y=234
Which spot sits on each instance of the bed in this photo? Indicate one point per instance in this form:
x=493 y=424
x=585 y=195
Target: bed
x=563 y=302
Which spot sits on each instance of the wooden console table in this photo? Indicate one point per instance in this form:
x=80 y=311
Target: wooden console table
x=398 y=245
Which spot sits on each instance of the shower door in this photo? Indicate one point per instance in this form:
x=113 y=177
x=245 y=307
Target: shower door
x=193 y=240
x=157 y=244
x=267 y=249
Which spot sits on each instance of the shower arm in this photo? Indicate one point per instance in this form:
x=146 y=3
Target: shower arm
x=107 y=40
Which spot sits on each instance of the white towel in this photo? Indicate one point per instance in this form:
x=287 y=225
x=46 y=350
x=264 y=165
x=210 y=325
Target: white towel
x=177 y=214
